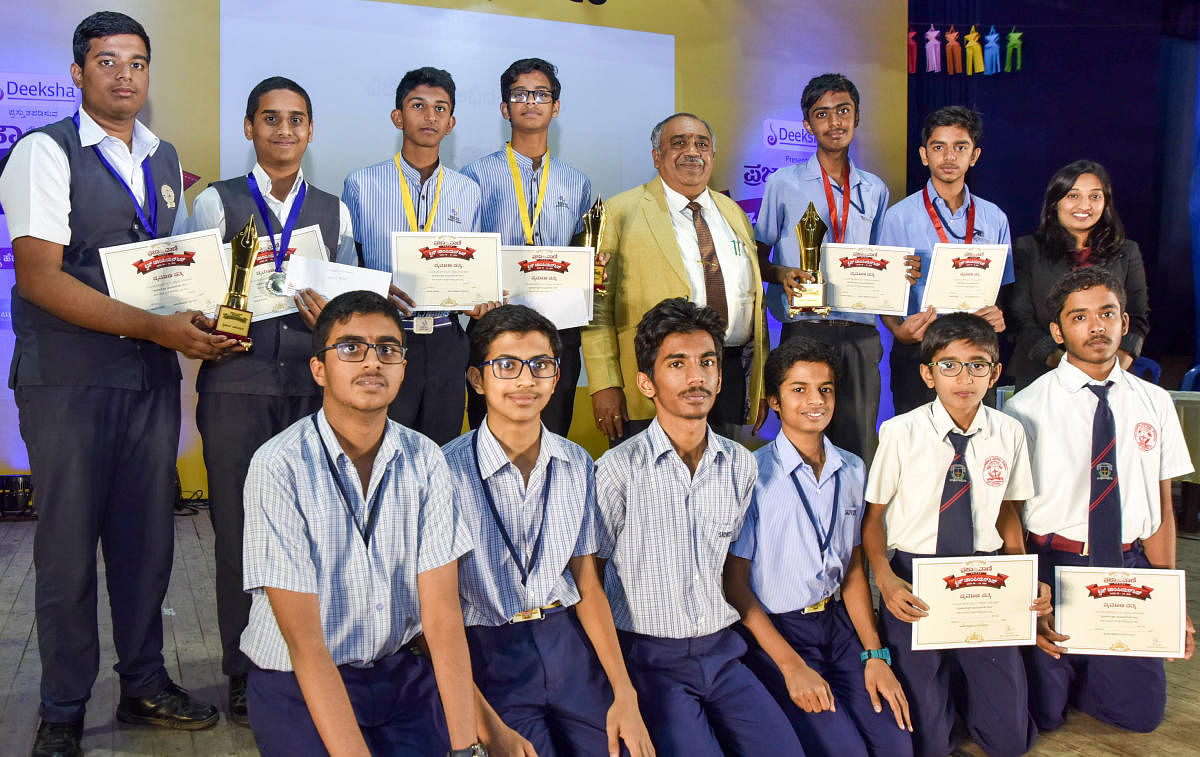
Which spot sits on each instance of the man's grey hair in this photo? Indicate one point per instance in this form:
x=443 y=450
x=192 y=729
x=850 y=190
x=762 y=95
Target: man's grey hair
x=656 y=132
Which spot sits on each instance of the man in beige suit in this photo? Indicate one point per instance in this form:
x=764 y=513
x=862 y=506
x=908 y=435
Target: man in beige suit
x=673 y=237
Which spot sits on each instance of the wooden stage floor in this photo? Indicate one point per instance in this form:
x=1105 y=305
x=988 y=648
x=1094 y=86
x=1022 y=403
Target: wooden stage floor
x=192 y=650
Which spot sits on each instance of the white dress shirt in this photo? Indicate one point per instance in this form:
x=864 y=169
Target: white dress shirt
x=734 y=259
x=1057 y=412
x=909 y=473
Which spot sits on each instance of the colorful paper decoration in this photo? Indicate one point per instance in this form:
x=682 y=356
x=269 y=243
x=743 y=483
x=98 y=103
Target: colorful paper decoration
x=912 y=51
x=954 y=60
x=974 y=52
x=933 y=50
x=991 y=53
x=1014 y=45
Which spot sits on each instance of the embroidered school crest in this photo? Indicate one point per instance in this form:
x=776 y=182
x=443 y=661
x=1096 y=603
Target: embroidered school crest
x=1104 y=471
x=1146 y=436
x=168 y=195
x=995 y=471
x=958 y=473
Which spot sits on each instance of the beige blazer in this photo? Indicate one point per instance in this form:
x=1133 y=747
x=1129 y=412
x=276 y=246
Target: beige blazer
x=646 y=268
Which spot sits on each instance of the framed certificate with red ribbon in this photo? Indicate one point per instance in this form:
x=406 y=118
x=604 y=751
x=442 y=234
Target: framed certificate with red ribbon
x=866 y=278
x=269 y=296
x=447 y=271
x=168 y=275
x=558 y=282
x=963 y=277
x=1132 y=612
x=975 y=601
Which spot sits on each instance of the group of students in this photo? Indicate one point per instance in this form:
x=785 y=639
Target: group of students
x=502 y=592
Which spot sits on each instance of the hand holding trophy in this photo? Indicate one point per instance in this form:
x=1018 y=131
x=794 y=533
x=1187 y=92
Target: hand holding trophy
x=233 y=319
x=810 y=231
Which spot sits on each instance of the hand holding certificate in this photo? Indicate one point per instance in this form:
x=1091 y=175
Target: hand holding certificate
x=164 y=276
x=558 y=282
x=442 y=271
x=866 y=278
x=975 y=601
x=1121 y=611
x=267 y=298
x=964 y=277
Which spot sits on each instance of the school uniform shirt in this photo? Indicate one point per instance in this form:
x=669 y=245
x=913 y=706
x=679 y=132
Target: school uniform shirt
x=736 y=270
x=1057 y=411
x=788 y=569
x=568 y=197
x=376 y=204
x=907 y=224
x=553 y=517
x=208 y=212
x=299 y=536
x=785 y=198
x=665 y=533
x=909 y=473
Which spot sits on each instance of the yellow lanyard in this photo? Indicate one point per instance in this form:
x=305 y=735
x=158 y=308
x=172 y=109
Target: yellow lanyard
x=409 y=211
x=517 y=185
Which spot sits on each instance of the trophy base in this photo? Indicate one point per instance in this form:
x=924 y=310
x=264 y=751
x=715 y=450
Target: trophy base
x=811 y=301
x=234 y=323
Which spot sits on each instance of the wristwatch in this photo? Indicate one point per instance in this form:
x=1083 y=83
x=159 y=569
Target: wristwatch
x=475 y=750
x=883 y=653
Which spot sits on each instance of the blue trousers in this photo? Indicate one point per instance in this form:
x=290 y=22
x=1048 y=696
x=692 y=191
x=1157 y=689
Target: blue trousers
x=829 y=645
x=545 y=682
x=699 y=700
x=1128 y=692
x=986 y=686
x=395 y=703
x=103 y=464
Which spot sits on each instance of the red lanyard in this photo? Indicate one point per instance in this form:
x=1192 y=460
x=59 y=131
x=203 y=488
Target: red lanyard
x=838 y=236
x=937 y=219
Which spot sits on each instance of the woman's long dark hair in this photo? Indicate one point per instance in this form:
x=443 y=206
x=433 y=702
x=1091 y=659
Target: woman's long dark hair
x=1104 y=239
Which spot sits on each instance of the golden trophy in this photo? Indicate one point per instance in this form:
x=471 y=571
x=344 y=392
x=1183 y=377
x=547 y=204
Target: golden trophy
x=233 y=319
x=593 y=230
x=809 y=233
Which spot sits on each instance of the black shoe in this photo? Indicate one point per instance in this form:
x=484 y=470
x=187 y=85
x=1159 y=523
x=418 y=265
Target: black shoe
x=172 y=707
x=237 y=700
x=58 y=740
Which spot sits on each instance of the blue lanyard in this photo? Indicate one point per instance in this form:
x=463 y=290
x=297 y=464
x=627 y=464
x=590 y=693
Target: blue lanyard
x=372 y=512
x=525 y=570
x=285 y=234
x=150 y=223
x=822 y=540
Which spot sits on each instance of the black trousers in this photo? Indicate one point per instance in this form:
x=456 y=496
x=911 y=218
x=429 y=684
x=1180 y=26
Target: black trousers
x=434 y=393
x=103 y=464
x=908 y=388
x=232 y=427
x=560 y=409
x=859 y=352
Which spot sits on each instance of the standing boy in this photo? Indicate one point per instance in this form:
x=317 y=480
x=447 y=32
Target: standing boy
x=248 y=397
x=928 y=484
x=351 y=546
x=1084 y=513
x=543 y=646
x=414 y=191
x=943 y=211
x=671 y=500
x=819 y=655
x=532 y=198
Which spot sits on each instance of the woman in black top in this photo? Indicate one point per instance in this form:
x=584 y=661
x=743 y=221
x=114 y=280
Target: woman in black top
x=1079 y=227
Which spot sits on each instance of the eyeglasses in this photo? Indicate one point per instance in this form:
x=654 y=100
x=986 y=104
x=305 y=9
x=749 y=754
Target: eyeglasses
x=538 y=96
x=356 y=352
x=951 y=368
x=511 y=367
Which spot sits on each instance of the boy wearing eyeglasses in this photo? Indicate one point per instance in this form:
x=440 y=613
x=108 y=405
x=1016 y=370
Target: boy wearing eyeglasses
x=533 y=198
x=350 y=551
x=543 y=646
x=949 y=479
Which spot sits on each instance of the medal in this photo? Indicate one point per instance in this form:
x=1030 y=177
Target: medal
x=275 y=284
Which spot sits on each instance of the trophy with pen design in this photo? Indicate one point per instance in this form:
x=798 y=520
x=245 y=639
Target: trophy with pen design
x=809 y=233
x=593 y=230
x=233 y=319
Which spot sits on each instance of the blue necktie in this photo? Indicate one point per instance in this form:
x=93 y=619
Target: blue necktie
x=1104 y=512
x=956 y=532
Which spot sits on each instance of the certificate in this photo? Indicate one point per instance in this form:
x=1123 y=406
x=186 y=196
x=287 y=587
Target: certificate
x=165 y=276
x=262 y=301
x=555 y=281
x=976 y=601
x=866 y=278
x=443 y=271
x=331 y=279
x=1120 y=611
x=964 y=277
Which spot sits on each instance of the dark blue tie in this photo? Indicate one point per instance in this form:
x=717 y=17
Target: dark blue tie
x=956 y=533
x=1104 y=512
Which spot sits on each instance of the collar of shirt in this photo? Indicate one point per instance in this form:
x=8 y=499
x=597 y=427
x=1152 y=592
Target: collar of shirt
x=265 y=186
x=91 y=133
x=525 y=163
x=493 y=459
x=812 y=172
x=389 y=452
x=943 y=206
x=677 y=203
x=790 y=458
x=1074 y=380
x=943 y=424
x=715 y=447
x=414 y=176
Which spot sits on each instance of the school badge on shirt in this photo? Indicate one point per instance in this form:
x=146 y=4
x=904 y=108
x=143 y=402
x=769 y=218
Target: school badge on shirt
x=168 y=195
x=995 y=471
x=1146 y=436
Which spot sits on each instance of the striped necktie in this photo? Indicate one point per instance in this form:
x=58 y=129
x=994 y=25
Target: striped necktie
x=956 y=531
x=1104 y=511
x=714 y=282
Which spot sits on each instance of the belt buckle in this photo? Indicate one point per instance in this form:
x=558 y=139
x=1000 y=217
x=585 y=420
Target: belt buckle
x=521 y=617
x=422 y=324
x=1084 y=553
x=817 y=607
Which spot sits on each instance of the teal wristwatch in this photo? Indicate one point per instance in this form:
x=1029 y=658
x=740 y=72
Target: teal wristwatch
x=883 y=653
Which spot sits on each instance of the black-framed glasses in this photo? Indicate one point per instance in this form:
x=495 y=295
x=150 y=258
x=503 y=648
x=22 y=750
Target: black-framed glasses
x=511 y=367
x=951 y=368
x=356 y=352
x=538 y=96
